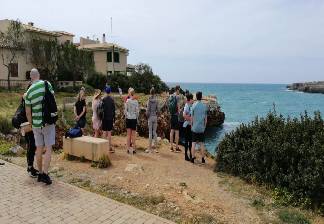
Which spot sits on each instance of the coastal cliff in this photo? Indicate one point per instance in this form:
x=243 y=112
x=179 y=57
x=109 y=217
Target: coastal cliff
x=308 y=87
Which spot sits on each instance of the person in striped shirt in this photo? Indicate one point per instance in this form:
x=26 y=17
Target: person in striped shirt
x=44 y=135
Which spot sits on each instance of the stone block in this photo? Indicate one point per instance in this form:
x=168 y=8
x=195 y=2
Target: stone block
x=89 y=147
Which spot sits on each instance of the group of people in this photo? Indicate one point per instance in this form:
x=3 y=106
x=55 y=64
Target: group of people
x=42 y=137
x=195 y=121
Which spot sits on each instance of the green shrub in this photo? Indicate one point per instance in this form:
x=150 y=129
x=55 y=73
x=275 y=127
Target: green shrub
x=292 y=217
x=76 y=89
x=283 y=153
x=104 y=162
x=97 y=80
x=5 y=125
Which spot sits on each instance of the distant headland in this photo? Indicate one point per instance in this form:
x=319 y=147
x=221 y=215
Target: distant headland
x=308 y=87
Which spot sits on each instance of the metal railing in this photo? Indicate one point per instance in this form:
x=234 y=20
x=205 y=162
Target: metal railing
x=14 y=83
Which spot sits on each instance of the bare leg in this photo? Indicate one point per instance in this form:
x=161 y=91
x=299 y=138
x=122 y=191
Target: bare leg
x=109 y=140
x=134 y=139
x=129 y=133
x=202 y=149
x=193 y=150
x=177 y=138
x=47 y=158
x=171 y=138
x=39 y=159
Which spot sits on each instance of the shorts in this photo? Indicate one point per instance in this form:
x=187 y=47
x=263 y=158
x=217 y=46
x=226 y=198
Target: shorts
x=198 y=137
x=107 y=125
x=174 y=122
x=44 y=136
x=81 y=123
x=131 y=124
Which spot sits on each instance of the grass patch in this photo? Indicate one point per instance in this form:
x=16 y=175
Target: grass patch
x=4 y=148
x=292 y=217
x=258 y=203
x=203 y=218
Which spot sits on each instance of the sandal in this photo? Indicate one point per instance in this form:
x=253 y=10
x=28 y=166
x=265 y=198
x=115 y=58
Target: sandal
x=178 y=149
x=111 y=150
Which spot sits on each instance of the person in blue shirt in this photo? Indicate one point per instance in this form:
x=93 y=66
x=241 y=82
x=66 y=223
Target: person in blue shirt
x=187 y=125
x=198 y=126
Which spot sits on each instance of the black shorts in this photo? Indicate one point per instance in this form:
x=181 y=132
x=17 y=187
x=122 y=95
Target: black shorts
x=198 y=137
x=107 y=125
x=174 y=122
x=81 y=123
x=131 y=124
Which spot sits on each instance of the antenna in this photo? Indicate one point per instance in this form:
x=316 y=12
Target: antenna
x=111 y=30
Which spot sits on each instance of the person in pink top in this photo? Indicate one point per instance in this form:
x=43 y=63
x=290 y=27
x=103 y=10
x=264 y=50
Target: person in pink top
x=96 y=122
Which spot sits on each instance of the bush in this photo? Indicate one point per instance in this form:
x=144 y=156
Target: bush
x=5 y=125
x=142 y=80
x=76 y=89
x=97 y=80
x=283 y=153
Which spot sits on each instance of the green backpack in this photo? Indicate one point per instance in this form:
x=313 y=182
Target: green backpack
x=173 y=105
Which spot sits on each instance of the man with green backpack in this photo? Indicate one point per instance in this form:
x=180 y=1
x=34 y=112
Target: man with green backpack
x=173 y=105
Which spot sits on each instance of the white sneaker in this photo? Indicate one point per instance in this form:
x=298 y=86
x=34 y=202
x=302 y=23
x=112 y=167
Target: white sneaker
x=147 y=150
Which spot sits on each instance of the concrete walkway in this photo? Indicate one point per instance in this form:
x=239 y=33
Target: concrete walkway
x=24 y=200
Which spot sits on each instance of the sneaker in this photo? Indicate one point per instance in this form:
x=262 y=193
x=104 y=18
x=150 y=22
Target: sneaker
x=40 y=177
x=32 y=172
x=147 y=151
x=203 y=160
x=46 y=179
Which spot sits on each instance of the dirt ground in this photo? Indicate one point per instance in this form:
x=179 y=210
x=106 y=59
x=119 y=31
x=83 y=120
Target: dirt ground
x=191 y=188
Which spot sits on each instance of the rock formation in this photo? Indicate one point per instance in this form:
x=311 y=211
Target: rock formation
x=308 y=87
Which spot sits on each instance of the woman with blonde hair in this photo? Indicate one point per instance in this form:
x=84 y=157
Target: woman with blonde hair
x=131 y=114
x=151 y=114
x=80 y=110
x=96 y=121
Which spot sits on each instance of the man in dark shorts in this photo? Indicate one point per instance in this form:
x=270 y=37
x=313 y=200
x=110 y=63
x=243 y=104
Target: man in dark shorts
x=198 y=126
x=174 y=120
x=109 y=116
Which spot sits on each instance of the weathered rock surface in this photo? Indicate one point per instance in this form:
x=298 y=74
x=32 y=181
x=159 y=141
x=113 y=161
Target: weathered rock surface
x=308 y=87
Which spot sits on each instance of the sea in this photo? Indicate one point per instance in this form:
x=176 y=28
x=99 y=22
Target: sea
x=241 y=103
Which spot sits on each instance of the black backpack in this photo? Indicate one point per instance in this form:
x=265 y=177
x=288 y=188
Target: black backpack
x=50 y=115
x=100 y=110
x=20 y=116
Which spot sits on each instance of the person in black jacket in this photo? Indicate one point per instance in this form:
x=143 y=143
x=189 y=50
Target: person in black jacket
x=31 y=148
x=109 y=116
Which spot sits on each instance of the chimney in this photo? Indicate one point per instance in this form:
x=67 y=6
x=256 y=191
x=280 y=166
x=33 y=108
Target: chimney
x=103 y=38
x=30 y=23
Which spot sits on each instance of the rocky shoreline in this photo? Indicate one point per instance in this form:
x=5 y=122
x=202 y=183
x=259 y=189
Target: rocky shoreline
x=308 y=87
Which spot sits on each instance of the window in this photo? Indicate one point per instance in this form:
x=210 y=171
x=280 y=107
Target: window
x=116 y=57
x=13 y=69
x=109 y=56
x=27 y=75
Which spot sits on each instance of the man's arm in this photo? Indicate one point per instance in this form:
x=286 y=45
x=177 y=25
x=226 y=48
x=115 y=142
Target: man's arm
x=28 y=114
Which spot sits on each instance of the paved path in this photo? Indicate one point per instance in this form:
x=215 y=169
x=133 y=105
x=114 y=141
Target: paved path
x=24 y=200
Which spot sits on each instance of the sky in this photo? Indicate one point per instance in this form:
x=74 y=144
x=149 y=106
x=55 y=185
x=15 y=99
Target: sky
x=208 y=41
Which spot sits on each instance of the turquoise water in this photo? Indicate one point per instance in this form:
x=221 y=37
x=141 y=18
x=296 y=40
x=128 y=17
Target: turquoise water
x=242 y=102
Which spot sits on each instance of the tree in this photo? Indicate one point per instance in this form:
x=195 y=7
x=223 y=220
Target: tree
x=11 y=43
x=78 y=63
x=44 y=54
